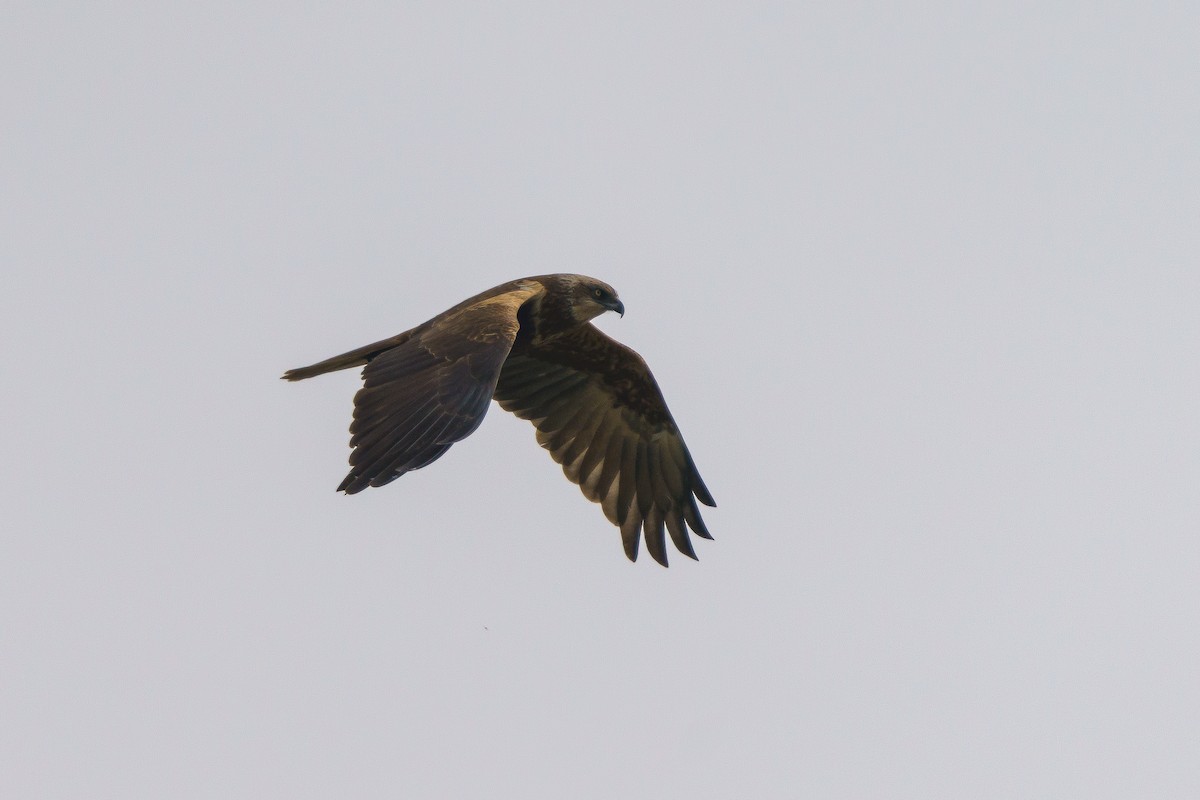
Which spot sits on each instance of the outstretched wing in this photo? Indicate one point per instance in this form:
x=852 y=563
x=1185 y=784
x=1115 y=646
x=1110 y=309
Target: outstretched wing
x=600 y=413
x=431 y=390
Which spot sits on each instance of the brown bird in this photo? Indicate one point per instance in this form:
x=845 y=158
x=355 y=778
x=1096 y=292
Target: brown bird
x=529 y=344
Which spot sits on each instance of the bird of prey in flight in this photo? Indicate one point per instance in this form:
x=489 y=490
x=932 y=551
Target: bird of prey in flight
x=529 y=344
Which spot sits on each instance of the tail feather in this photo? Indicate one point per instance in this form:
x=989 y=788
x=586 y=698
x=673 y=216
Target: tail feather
x=355 y=358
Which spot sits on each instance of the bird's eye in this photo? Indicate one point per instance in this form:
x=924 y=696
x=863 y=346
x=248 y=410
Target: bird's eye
x=598 y=292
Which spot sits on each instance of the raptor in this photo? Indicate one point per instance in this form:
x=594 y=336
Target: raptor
x=529 y=344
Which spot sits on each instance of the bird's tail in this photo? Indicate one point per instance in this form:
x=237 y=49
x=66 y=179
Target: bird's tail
x=354 y=358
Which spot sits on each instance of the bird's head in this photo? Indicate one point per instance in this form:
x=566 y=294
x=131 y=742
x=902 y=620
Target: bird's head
x=590 y=298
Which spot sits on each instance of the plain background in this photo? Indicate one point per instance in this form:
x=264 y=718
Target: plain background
x=919 y=282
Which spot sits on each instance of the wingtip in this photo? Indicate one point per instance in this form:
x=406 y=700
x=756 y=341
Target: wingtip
x=351 y=484
x=631 y=539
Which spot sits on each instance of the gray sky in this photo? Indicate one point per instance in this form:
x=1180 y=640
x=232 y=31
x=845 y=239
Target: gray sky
x=919 y=283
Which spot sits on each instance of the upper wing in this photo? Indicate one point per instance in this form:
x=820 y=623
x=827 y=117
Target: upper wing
x=599 y=412
x=431 y=390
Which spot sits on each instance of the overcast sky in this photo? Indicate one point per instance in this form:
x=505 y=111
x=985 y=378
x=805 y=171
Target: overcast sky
x=919 y=282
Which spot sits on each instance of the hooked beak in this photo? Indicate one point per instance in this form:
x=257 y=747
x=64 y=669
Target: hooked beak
x=615 y=305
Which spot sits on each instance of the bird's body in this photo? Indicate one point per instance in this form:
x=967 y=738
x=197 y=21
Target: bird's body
x=529 y=344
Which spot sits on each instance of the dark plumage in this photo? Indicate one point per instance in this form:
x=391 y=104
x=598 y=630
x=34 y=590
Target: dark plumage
x=529 y=345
